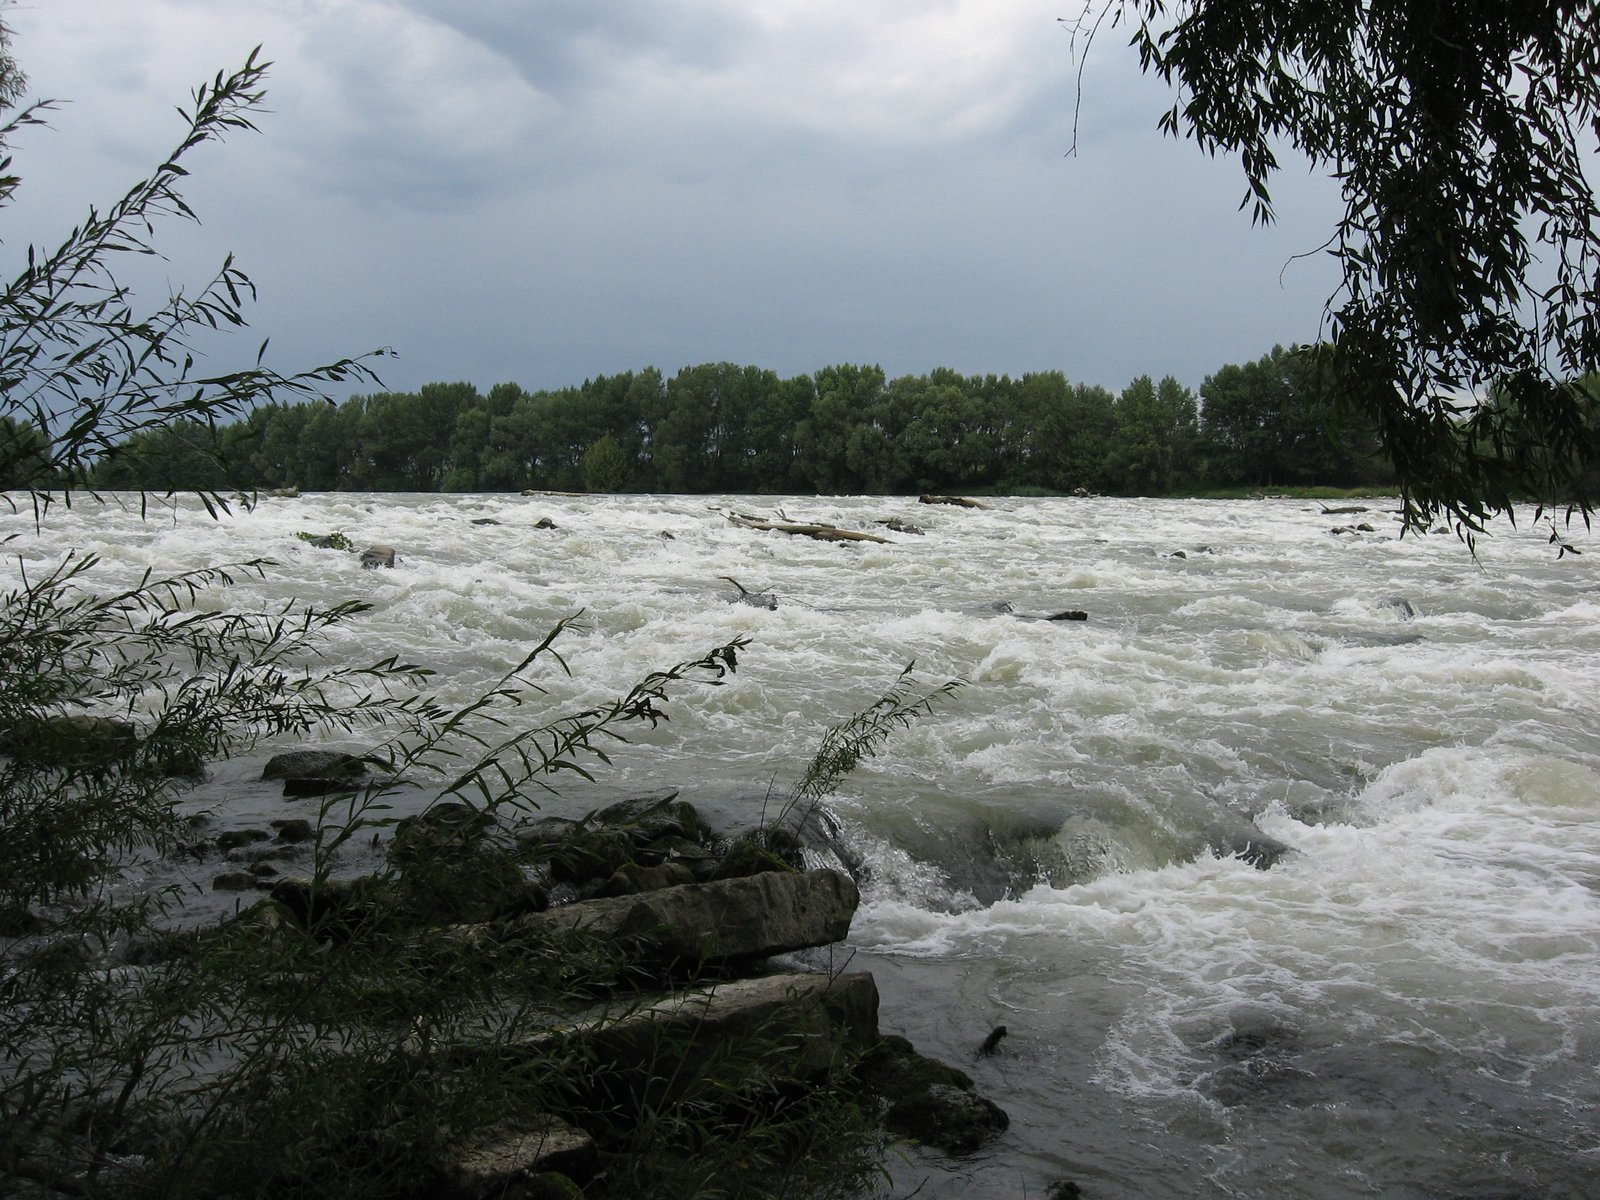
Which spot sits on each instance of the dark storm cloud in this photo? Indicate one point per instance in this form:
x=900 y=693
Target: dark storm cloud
x=545 y=191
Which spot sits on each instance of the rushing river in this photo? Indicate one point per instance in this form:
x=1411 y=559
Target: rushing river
x=1407 y=1004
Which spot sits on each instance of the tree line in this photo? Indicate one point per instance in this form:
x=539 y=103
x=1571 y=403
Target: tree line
x=719 y=427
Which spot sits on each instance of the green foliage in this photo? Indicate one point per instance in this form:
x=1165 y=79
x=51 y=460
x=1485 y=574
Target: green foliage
x=327 y=541
x=84 y=372
x=335 y=1040
x=1461 y=137
x=605 y=466
x=846 y=744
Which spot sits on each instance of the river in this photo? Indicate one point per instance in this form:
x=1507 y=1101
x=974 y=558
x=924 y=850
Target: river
x=1405 y=1004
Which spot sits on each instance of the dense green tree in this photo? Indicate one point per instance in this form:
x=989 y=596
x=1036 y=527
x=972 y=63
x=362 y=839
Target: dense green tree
x=1461 y=135
x=1156 y=426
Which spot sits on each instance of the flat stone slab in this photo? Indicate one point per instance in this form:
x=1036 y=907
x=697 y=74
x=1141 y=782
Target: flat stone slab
x=755 y=916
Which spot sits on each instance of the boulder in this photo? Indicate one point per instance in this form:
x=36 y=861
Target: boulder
x=800 y=1025
x=647 y=819
x=928 y=1100
x=374 y=557
x=686 y=926
x=316 y=772
x=502 y=1160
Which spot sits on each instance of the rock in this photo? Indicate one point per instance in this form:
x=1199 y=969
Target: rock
x=374 y=557
x=505 y=1159
x=956 y=1121
x=285 y=493
x=958 y=501
x=796 y=1026
x=68 y=741
x=235 y=838
x=928 y=1100
x=233 y=881
x=449 y=871
x=544 y=523
x=692 y=924
x=1242 y=839
x=319 y=764
x=1400 y=605
x=650 y=818
x=484 y=521
x=294 y=831
x=1071 y=614
x=1063 y=1189
x=316 y=772
x=588 y=855
x=768 y=848
x=631 y=879
x=899 y=526
x=322 y=906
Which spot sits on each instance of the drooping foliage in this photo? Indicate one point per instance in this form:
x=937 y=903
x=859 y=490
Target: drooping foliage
x=1461 y=134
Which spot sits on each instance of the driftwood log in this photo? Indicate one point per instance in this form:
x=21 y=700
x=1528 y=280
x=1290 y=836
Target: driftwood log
x=958 y=501
x=823 y=533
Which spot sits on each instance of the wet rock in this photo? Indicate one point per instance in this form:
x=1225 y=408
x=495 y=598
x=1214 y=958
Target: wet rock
x=544 y=523
x=316 y=772
x=1400 y=605
x=233 y=881
x=374 y=557
x=233 y=839
x=484 y=521
x=1062 y=1189
x=294 y=830
x=685 y=926
x=958 y=501
x=631 y=879
x=796 y=1026
x=1241 y=839
x=899 y=526
x=68 y=741
x=589 y=855
x=450 y=872
x=928 y=1100
x=1071 y=614
x=648 y=819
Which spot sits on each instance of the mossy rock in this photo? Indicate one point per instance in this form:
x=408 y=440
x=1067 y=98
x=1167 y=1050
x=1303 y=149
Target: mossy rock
x=647 y=819
x=589 y=855
x=751 y=855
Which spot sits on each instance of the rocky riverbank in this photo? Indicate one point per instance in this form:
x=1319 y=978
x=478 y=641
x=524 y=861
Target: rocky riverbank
x=700 y=1011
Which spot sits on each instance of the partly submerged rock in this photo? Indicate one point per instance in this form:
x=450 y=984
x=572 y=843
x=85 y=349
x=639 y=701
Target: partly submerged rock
x=928 y=1100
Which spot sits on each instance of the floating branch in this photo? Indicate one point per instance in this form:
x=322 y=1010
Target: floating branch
x=823 y=533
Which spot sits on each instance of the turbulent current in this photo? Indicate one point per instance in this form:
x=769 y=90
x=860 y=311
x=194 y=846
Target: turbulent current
x=1406 y=1003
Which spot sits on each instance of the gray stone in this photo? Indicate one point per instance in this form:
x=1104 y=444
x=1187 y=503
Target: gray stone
x=752 y=917
x=504 y=1156
x=374 y=557
x=807 y=1020
x=314 y=764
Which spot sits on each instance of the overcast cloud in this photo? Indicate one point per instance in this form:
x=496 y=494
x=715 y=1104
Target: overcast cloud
x=546 y=190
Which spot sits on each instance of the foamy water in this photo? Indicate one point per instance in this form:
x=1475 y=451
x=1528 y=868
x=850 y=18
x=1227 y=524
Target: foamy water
x=1406 y=1004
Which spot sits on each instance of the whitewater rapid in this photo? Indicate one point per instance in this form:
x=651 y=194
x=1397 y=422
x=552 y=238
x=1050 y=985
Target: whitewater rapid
x=1407 y=1004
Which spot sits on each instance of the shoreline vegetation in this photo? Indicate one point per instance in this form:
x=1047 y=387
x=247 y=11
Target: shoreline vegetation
x=722 y=428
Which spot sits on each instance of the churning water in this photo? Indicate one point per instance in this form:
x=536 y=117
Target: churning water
x=1406 y=1004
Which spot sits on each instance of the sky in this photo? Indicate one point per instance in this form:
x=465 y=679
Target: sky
x=542 y=191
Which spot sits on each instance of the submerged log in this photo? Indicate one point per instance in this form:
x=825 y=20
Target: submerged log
x=823 y=533
x=958 y=501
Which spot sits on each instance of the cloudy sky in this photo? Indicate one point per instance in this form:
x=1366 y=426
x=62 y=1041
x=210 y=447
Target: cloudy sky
x=546 y=190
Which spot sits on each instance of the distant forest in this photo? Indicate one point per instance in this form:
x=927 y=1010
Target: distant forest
x=725 y=428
